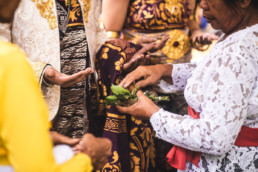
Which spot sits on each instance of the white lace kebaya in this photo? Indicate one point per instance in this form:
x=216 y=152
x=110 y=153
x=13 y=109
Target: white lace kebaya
x=223 y=88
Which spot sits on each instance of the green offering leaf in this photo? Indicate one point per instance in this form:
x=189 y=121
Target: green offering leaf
x=112 y=99
x=117 y=90
x=133 y=93
x=124 y=97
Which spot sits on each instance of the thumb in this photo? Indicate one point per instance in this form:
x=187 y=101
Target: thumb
x=123 y=109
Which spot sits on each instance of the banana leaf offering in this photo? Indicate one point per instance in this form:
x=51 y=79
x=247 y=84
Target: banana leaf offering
x=124 y=97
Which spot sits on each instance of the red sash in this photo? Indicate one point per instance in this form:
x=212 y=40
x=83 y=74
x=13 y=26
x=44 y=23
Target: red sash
x=178 y=156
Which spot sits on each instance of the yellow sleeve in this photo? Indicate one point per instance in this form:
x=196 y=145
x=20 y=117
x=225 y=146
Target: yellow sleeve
x=24 y=119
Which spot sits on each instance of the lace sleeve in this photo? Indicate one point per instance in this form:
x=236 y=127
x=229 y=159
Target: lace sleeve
x=180 y=74
x=223 y=109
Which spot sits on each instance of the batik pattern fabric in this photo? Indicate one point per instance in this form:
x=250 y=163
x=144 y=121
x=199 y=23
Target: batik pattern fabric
x=157 y=15
x=132 y=139
x=72 y=118
x=156 y=18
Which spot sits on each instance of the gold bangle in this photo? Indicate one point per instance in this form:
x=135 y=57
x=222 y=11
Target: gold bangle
x=113 y=34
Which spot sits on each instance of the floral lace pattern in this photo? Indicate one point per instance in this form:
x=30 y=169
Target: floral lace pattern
x=223 y=89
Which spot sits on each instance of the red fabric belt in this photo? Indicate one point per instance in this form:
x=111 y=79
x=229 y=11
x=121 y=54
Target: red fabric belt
x=178 y=156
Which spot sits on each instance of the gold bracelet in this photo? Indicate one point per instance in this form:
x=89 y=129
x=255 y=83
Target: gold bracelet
x=113 y=34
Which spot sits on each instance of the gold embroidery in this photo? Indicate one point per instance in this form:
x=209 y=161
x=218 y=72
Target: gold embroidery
x=116 y=116
x=175 y=7
x=115 y=123
x=75 y=10
x=111 y=165
x=176 y=46
x=86 y=8
x=45 y=9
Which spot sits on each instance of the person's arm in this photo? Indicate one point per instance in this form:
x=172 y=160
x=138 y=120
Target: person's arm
x=198 y=38
x=114 y=14
x=224 y=107
x=24 y=119
x=179 y=75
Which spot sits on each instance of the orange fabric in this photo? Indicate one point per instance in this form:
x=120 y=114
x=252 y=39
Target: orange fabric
x=178 y=156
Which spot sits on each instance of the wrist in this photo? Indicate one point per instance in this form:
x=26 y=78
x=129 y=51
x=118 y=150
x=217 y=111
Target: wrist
x=166 y=69
x=113 y=34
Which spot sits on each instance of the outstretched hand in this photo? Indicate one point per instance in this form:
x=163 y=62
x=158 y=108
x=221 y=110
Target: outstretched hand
x=149 y=75
x=142 y=109
x=200 y=39
x=98 y=149
x=140 y=57
x=61 y=139
x=52 y=76
x=152 y=44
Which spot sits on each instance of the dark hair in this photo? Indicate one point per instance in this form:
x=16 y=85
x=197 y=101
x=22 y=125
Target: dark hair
x=234 y=6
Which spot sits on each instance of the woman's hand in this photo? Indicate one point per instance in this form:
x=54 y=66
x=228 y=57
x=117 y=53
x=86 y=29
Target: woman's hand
x=151 y=43
x=98 y=149
x=200 y=39
x=140 y=57
x=61 y=139
x=142 y=109
x=149 y=75
x=52 y=76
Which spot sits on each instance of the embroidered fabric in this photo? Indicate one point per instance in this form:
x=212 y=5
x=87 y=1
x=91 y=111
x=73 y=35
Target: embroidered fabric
x=223 y=89
x=31 y=32
x=5 y=31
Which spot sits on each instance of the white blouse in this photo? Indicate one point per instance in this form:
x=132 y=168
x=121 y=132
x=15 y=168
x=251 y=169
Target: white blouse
x=223 y=88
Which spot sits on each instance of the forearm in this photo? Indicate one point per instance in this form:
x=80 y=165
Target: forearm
x=114 y=14
x=179 y=74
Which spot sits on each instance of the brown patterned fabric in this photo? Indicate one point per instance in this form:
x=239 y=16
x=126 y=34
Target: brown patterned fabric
x=73 y=117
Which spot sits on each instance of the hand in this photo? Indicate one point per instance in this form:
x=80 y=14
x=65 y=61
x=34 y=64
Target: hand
x=152 y=43
x=139 y=58
x=142 y=109
x=52 y=76
x=150 y=75
x=99 y=149
x=200 y=39
x=61 y=139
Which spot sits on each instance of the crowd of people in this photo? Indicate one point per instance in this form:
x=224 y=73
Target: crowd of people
x=59 y=58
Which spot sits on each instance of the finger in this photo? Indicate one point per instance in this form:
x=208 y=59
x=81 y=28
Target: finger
x=145 y=82
x=131 y=77
x=123 y=109
x=148 y=39
x=89 y=71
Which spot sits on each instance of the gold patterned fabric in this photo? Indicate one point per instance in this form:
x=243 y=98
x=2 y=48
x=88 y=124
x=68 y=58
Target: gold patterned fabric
x=46 y=10
x=132 y=140
x=157 y=15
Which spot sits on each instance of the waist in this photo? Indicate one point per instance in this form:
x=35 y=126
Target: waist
x=247 y=137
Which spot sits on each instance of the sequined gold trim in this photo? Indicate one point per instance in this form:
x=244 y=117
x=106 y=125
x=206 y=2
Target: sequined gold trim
x=176 y=46
x=86 y=8
x=45 y=9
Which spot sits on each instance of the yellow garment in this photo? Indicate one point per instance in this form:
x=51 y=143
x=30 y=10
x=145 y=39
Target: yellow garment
x=24 y=139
